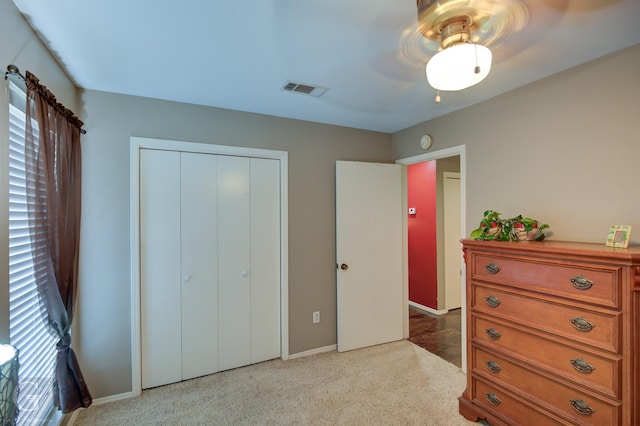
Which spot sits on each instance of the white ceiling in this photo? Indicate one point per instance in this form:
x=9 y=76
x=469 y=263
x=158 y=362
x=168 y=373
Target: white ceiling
x=238 y=54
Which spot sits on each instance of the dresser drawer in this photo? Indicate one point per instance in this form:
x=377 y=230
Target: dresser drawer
x=589 y=369
x=600 y=329
x=602 y=378
x=591 y=284
x=509 y=410
x=567 y=401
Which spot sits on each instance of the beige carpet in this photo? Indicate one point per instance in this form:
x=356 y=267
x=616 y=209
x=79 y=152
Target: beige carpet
x=392 y=384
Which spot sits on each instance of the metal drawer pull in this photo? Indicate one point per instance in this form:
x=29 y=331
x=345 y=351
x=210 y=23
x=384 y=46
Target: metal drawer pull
x=582 y=324
x=582 y=283
x=493 y=366
x=492 y=268
x=493 y=333
x=493 y=399
x=492 y=301
x=582 y=366
x=581 y=407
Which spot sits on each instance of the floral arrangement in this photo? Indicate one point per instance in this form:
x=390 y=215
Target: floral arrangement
x=518 y=228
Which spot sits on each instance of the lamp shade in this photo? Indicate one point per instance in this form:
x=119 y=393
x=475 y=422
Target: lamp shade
x=454 y=68
x=8 y=385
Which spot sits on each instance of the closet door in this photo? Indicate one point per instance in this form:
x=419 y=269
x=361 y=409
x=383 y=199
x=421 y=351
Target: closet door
x=234 y=260
x=199 y=258
x=160 y=313
x=210 y=263
x=265 y=259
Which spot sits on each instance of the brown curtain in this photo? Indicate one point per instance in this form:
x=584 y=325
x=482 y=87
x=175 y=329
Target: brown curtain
x=53 y=172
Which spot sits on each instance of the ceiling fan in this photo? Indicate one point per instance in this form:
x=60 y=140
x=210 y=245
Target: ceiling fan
x=466 y=30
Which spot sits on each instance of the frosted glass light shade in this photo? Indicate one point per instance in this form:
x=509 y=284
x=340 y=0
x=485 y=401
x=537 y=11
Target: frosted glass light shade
x=454 y=67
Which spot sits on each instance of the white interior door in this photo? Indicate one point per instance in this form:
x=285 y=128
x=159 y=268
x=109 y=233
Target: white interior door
x=369 y=254
x=161 y=355
x=452 y=235
x=199 y=259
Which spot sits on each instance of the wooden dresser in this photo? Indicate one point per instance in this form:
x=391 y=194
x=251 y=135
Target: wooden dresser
x=553 y=333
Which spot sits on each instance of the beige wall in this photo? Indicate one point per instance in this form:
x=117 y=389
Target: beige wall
x=21 y=47
x=103 y=336
x=564 y=150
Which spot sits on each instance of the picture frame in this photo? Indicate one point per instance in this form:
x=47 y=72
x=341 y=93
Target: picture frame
x=618 y=236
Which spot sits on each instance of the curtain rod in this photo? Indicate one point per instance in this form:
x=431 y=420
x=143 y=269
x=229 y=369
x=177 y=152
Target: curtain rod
x=13 y=70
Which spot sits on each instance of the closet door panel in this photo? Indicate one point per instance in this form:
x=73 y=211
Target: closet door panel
x=265 y=259
x=160 y=267
x=234 y=273
x=199 y=256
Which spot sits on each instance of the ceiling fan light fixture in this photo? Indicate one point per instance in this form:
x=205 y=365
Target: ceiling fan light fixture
x=459 y=66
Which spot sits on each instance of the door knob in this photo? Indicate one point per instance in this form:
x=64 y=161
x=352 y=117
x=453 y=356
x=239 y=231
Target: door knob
x=344 y=266
x=187 y=278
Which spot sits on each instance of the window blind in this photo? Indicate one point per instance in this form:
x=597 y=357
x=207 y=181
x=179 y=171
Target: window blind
x=27 y=331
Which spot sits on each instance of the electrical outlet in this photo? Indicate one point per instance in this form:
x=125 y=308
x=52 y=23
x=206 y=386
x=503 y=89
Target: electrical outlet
x=316 y=317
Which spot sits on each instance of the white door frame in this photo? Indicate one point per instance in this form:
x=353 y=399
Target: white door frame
x=443 y=153
x=138 y=143
x=450 y=244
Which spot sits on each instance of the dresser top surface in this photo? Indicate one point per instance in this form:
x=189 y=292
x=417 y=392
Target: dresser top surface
x=569 y=248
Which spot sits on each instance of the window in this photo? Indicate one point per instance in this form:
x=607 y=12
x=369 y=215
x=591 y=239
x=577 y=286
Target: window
x=27 y=332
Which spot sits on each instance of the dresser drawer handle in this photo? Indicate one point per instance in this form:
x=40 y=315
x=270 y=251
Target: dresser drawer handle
x=492 y=301
x=582 y=366
x=493 y=366
x=493 y=399
x=581 y=324
x=582 y=283
x=492 y=268
x=581 y=407
x=493 y=333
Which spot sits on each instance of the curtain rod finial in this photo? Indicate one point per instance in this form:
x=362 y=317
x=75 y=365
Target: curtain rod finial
x=12 y=69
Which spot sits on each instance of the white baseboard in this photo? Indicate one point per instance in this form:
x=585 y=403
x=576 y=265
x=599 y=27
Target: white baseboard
x=314 y=351
x=73 y=416
x=70 y=419
x=428 y=309
x=113 y=398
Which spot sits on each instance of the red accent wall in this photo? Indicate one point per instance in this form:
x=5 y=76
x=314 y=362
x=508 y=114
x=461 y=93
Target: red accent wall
x=423 y=268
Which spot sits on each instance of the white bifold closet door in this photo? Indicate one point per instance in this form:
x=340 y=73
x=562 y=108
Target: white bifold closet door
x=199 y=264
x=210 y=263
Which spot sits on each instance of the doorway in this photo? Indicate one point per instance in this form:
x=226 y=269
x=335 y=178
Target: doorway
x=449 y=153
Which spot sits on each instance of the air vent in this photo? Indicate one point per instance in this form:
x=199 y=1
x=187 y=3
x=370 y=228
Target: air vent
x=304 y=89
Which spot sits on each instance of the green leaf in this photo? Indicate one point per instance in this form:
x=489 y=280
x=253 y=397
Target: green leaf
x=476 y=233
